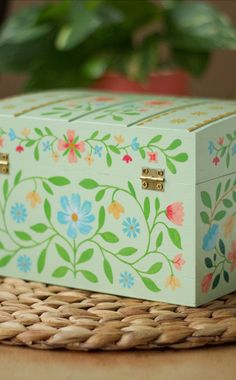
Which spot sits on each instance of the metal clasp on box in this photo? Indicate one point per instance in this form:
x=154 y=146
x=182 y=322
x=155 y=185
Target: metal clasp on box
x=4 y=163
x=153 y=179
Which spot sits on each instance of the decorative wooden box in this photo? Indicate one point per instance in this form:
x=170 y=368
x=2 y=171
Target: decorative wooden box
x=123 y=194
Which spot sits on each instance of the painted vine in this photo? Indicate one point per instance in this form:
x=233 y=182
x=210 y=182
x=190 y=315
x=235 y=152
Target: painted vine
x=224 y=149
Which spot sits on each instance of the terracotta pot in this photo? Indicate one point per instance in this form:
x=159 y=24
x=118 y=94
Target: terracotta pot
x=165 y=83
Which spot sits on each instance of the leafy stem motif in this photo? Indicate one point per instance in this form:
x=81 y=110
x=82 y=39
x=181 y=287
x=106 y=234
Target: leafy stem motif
x=224 y=147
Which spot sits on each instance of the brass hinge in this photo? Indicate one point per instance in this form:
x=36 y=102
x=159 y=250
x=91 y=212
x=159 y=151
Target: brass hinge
x=153 y=179
x=4 y=163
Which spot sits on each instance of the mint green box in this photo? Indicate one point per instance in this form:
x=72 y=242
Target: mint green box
x=124 y=194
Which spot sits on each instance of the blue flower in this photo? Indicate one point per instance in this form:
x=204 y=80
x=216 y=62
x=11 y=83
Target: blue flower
x=234 y=150
x=19 y=213
x=98 y=151
x=211 y=147
x=126 y=280
x=131 y=227
x=76 y=214
x=135 y=144
x=210 y=239
x=24 y=263
x=46 y=146
x=11 y=134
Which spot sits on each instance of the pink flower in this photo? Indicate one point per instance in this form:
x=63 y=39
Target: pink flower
x=206 y=282
x=153 y=156
x=216 y=160
x=232 y=256
x=71 y=146
x=158 y=102
x=1 y=142
x=178 y=261
x=127 y=158
x=175 y=213
x=20 y=148
x=221 y=141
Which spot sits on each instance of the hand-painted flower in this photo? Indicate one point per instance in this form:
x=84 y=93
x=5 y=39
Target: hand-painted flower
x=234 y=150
x=211 y=147
x=216 y=160
x=24 y=263
x=104 y=99
x=175 y=213
x=158 y=102
x=211 y=237
x=127 y=158
x=153 y=156
x=20 y=149
x=232 y=256
x=98 y=151
x=131 y=227
x=19 y=213
x=1 y=142
x=228 y=226
x=221 y=140
x=34 y=198
x=76 y=214
x=172 y=282
x=119 y=139
x=46 y=146
x=116 y=209
x=25 y=132
x=206 y=282
x=11 y=134
x=135 y=144
x=71 y=146
x=126 y=280
x=90 y=160
x=178 y=261
x=55 y=156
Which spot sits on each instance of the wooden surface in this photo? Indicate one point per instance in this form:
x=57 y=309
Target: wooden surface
x=18 y=363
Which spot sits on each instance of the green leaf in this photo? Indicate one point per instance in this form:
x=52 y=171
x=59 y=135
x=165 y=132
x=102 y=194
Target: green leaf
x=38 y=132
x=170 y=166
x=62 y=253
x=206 y=199
x=100 y=194
x=222 y=246
x=30 y=143
x=222 y=151
x=220 y=215
x=155 y=268
x=60 y=272
x=142 y=153
x=131 y=189
x=174 y=145
x=17 y=178
x=93 y=135
x=108 y=270
x=150 y=284
x=108 y=160
x=114 y=149
x=48 y=131
x=155 y=139
x=234 y=196
x=205 y=218
x=159 y=240
x=229 y=137
x=117 y=118
x=216 y=281
x=226 y=276
x=157 y=205
x=175 y=237
x=36 y=153
x=227 y=159
x=227 y=203
x=227 y=185
x=218 y=191
x=101 y=217
x=146 y=209
x=109 y=237
x=89 y=275
x=41 y=260
x=5 y=189
x=5 y=260
x=127 y=251
x=47 y=188
x=88 y=184
x=1 y=245
x=59 y=181
x=47 y=210
x=23 y=235
x=106 y=137
x=85 y=256
x=181 y=157
x=39 y=227
x=208 y=262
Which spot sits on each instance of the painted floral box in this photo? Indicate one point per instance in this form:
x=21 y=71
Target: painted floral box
x=124 y=194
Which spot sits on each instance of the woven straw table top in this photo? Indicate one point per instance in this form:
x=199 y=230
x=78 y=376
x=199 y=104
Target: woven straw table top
x=48 y=316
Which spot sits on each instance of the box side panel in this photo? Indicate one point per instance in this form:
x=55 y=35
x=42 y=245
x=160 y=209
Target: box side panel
x=216 y=238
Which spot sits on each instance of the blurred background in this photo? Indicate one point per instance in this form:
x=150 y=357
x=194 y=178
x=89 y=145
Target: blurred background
x=169 y=46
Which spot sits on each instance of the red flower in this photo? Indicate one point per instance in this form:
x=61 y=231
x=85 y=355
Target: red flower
x=232 y=256
x=158 y=102
x=71 y=146
x=178 y=261
x=153 y=156
x=1 y=142
x=20 y=148
x=206 y=282
x=127 y=158
x=175 y=213
x=216 y=160
x=221 y=141
x=104 y=99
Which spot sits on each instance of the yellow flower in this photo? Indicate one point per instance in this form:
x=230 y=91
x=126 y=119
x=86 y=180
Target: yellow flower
x=34 y=198
x=89 y=159
x=116 y=209
x=199 y=113
x=178 y=121
x=25 y=132
x=229 y=226
x=119 y=139
x=172 y=282
x=55 y=156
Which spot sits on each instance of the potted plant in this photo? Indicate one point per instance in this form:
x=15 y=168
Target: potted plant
x=128 y=45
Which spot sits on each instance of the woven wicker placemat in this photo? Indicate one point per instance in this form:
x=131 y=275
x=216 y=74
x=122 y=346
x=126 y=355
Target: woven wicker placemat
x=48 y=317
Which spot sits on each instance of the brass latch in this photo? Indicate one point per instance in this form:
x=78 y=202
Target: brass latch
x=153 y=179
x=4 y=163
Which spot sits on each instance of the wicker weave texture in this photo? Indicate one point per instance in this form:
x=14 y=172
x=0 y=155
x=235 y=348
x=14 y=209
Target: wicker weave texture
x=48 y=317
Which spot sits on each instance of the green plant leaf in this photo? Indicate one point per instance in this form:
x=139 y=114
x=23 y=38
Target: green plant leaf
x=234 y=196
x=155 y=268
x=127 y=251
x=170 y=166
x=157 y=205
x=150 y=284
x=220 y=215
x=62 y=253
x=48 y=131
x=222 y=246
x=38 y=132
x=23 y=235
x=17 y=178
x=108 y=270
x=106 y=137
x=39 y=228
x=227 y=185
x=226 y=276
x=94 y=135
x=36 y=153
x=88 y=184
x=117 y=118
x=89 y=276
x=227 y=159
x=59 y=181
x=216 y=281
x=175 y=237
x=41 y=260
x=101 y=217
x=146 y=208
x=5 y=189
x=47 y=188
x=155 y=139
x=227 y=203
x=47 y=210
x=60 y=272
x=208 y=262
x=108 y=160
x=100 y=194
x=30 y=143
x=1 y=245
x=159 y=240
x=114 y=149
x=131 y=189
x=142 y=153
x=205 y=217
x=109 y=237
x=174 y=145
x=5 y=260
x=181 y=157
x=218 y=191
x=206 y=199
x=85 y=256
